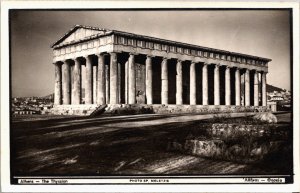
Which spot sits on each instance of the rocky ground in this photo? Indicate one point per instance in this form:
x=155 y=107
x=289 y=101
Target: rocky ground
x=122 y=145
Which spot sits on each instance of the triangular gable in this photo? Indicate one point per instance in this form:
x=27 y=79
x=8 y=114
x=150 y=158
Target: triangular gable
x=78 y=33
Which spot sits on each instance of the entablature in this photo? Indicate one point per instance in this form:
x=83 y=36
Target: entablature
x=127 y=42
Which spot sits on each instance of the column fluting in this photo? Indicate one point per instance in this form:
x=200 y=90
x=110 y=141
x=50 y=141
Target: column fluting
x=217 y=85
x=113 y=78
x=204 y=85
x=149 y=94
x=247 y=88
x=164 y=81
x=101 y=88
x=88 y=80
x=107 y=84
x=131 y=79
x=264 y=88
x=58 y=84
x=256 y=96
x=77 y=82
x=67 y=83
x=119 y=81
x=227 y=86
x=179 y=100
x=95 y=83
x=193 y=83
x=237 y=87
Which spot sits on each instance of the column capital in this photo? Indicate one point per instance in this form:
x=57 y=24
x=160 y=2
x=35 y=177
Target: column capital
x=149 y=56
x=228 y=67
x=217 y=65
x=110 y=53
x=58 y=63
x=133 y=53
x=78 y=58
x=67 y=61
x=101 y=54
x=263 y=72
x=206 y=64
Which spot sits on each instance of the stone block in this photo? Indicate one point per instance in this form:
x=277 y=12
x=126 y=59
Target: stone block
x=266 y=116
x=205 y=148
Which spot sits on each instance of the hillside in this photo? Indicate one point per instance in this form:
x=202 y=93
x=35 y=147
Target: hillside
x=271 y=88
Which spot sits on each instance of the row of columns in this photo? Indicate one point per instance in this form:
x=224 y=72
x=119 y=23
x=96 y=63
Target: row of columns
x=102 y=88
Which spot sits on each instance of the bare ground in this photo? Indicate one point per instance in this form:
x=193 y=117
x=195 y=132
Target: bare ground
x=120 y=145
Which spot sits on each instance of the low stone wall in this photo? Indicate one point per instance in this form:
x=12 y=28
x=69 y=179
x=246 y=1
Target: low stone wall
x=234 y=142
x=178 y=109
x=128 y=109
x=205 y=109
x=83 y=110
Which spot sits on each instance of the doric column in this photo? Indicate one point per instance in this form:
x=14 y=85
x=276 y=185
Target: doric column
x=204 y=85
x=119 y=81
x=247 y=88
x=107 y=84
x=164 y=81
x=227 y=86
x=126 y=82
x=95 y=83
x=58 y=84
x=67 y=83
x=237 y=87
x=77 y=82
x=131 y=79
x=256 y=99
x=193 y=83
x=179 y=100
x=149 y=85
x=264 y=88
x=101 y=88
x=88 y=80
x=217 y=85
x=114 y=97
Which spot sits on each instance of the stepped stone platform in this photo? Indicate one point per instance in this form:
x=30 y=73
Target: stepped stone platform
x=127 y=109
x=82 y=109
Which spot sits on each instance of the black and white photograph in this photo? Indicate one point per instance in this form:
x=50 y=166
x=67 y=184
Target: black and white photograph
x=150 y=95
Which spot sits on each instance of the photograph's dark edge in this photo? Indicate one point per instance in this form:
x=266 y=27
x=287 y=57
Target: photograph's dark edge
x=289 y=180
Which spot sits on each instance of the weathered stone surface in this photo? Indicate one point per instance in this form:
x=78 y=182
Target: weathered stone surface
x=127 y=109
x=205 y=148
x=217 y=85
x=164 y=81
x=237 y=87
x=83 y=110
x=149 y=84
x=131 y=80
x=227 y=131
x=266 y=116
x=227 y=87
x=247 y=88
x=205 y=85
x=113 y=94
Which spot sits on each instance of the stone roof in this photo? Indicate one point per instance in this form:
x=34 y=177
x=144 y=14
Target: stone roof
x=143 y=37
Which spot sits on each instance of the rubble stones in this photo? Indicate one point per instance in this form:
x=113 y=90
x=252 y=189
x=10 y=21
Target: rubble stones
x=266 y=116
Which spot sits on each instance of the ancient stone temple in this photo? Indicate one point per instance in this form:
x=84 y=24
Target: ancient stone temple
x=126 y=68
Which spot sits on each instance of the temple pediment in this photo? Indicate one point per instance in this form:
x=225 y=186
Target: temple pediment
x=78 y=33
